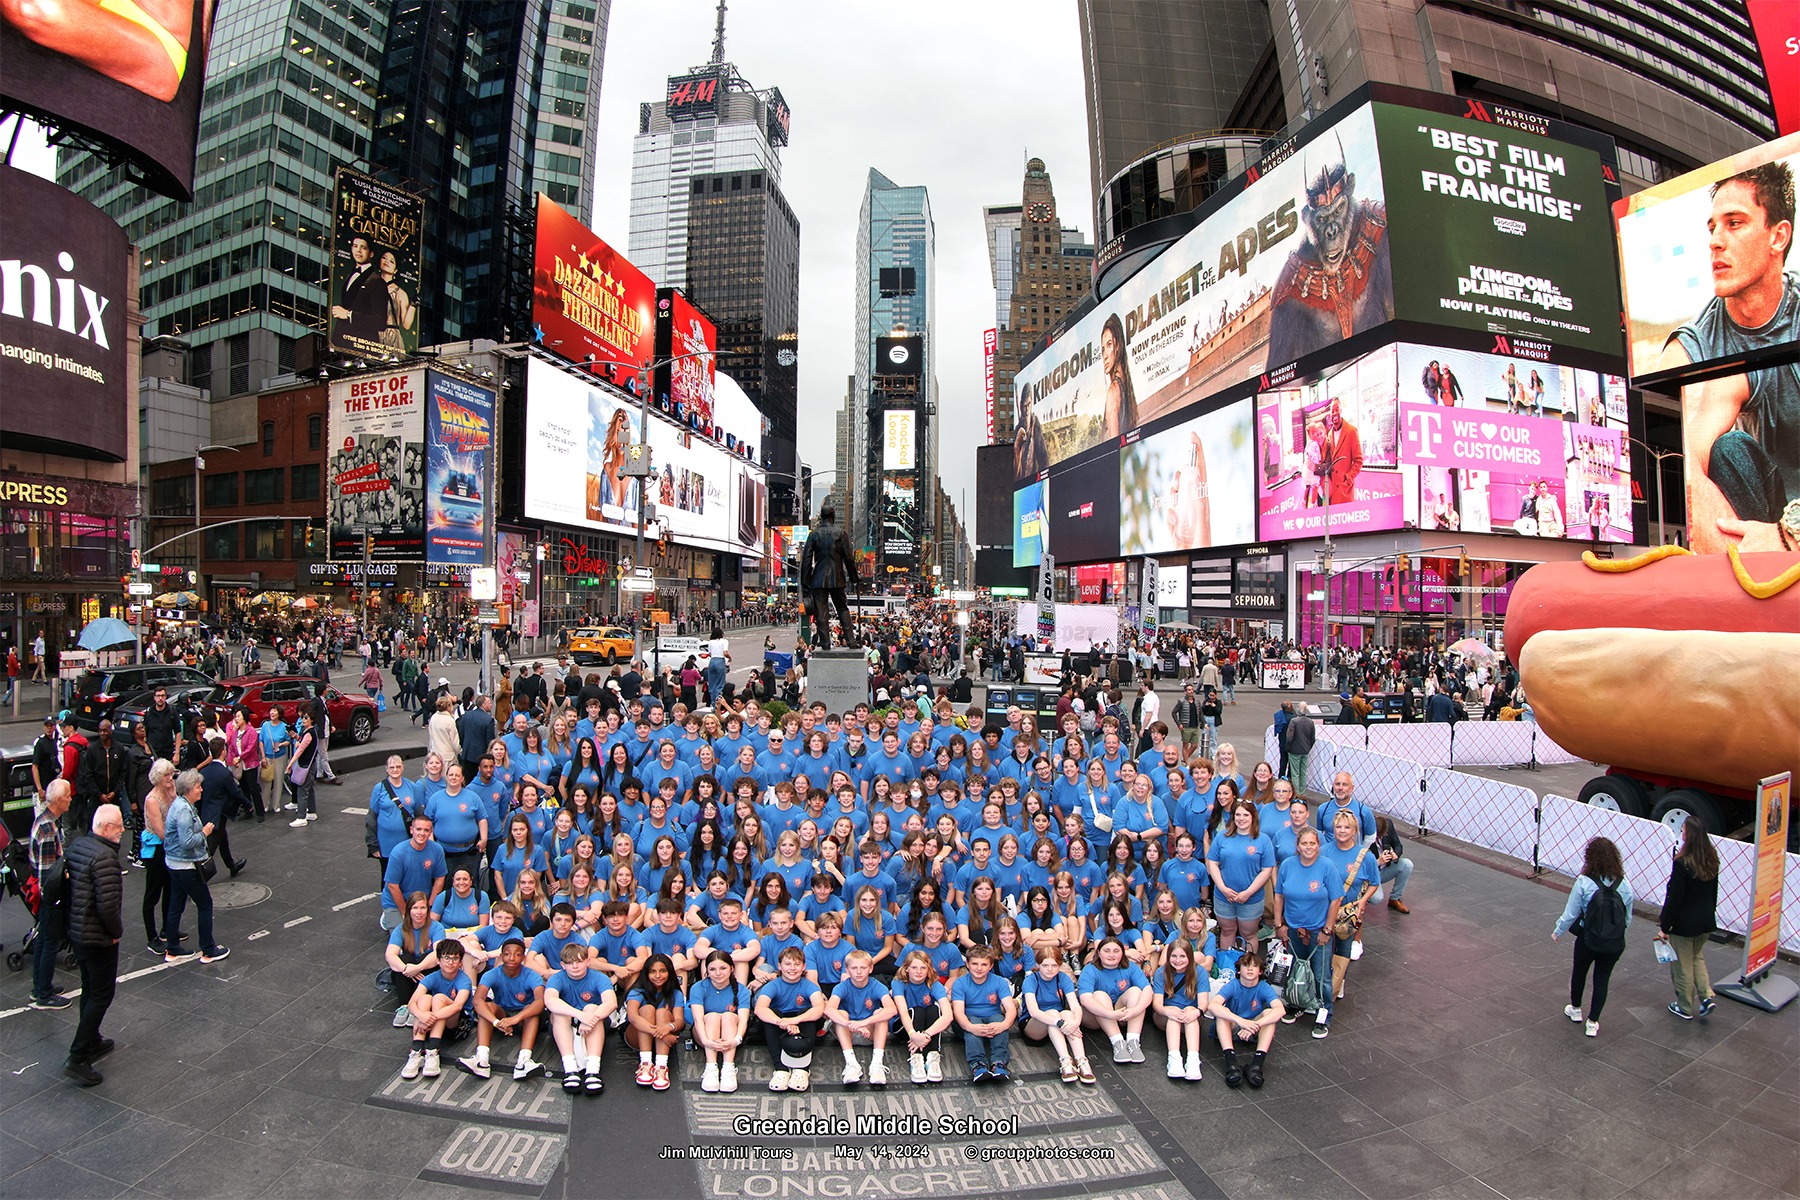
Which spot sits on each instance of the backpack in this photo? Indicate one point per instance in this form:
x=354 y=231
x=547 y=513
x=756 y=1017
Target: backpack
x=1603 y=921
x=1302 y=990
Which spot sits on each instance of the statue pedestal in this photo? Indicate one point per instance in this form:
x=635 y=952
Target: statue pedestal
x=837 y=678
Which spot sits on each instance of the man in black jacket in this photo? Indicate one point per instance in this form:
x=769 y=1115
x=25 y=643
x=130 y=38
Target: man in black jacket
x=477 y=730
x=96 y=923
x=101 y=777
x=219 y=797
x=827 y=567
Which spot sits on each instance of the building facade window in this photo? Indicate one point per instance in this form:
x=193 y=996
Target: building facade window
x=268 y=439
x=263 y=487
x=315 y=431
x=306 y=482
x=221 y=490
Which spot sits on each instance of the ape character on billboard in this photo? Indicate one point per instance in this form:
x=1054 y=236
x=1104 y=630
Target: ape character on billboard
x=1743 y=431
x=1339 y=282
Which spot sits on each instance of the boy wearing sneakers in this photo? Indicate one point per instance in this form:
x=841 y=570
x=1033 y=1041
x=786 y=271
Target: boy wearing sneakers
x=984 y=1008
x=860 y=1006
x=509 y=999
x=789 y=1007
x=579 y=999
x=440 y=1007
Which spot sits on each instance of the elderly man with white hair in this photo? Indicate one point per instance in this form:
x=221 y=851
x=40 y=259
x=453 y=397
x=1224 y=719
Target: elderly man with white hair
x=96 y=922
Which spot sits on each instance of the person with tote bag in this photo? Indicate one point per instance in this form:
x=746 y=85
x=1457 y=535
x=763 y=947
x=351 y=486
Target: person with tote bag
x=1689 y=915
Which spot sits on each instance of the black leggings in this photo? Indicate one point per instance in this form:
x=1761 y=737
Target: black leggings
x=924 y=1016
x=156 y=889
x=1603 y=965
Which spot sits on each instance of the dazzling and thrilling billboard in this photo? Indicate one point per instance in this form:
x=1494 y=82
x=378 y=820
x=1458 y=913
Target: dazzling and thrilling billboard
x=375 y=474
x=691 y=346
x=1030 y=523
x=1498 y=230
x=1777 y=27
x=1189 y=486
x=459 y=442
x=577 y=436
x=588 y=302
x=1708 y=267
x=899 y=451
x=64 y=290
x=128 y=73
x=377 y=240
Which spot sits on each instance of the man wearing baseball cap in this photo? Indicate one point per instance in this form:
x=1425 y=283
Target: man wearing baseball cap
x=46 y=759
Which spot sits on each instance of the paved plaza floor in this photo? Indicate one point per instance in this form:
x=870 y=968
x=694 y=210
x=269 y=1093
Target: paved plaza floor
x=1450 y=1071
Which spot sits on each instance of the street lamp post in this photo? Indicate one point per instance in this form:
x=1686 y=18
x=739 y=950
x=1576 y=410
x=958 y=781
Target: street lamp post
x=1658 y=454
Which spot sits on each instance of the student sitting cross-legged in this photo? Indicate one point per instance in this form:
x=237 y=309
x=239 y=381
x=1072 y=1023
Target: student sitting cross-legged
x=509 y=999
x=442 y=1011
x=860 y=1007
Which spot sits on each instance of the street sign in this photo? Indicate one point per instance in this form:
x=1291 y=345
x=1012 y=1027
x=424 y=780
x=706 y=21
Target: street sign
x=137 y=560
x=141 y=589
x=150 y=568
x=636 y=585
x=484 y=583
x=963 y=597
x=643 y=573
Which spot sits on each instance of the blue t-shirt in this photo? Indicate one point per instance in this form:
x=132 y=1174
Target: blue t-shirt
x=812 y=908
x=1338 y=863
x=914 y=994
x=881 y=881
x=733 y=997
x=730 y=940
x=772 y=946
x=680 y=941
x=786 y=998
x=434 y=933
x=615 y=948
x=393 y=815
x=1112 y=982
x=868 y=934
x=551 y=946
x=1305 y=892
x=510 y=993
x=1241 y=859
x=982 y=1001
x=435 y=984
x=591 y=988
x=827 y=962
x=456 y=820
x=1010 y=878
x=412 y=870
x=1053 y=995
x=514 y=859
x=491 y=939
x=860 y=1003
x=459 y=912
x=1326 y=816
x=945 y=957
x=1178 y=997
x=643 y=995
x=1249 y=1003
x=1185 y=879
x=797 y=875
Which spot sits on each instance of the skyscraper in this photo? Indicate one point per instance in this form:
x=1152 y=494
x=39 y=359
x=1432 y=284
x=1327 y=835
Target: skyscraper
x=895 y=235
x=1048 y=276
x=299 y=88
x=708 y=217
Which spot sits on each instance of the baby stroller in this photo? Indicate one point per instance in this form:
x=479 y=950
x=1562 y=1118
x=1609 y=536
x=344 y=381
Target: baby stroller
x=16 y=879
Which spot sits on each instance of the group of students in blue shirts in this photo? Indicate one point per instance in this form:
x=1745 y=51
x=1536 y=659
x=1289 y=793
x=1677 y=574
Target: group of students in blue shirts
x=927 y=880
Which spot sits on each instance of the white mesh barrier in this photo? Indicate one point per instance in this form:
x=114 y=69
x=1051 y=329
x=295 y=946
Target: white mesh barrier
x=1321 y=765
x=1271 y=749
x=1345 y=735
x=1427 y=744
x=1646 y=846
x=1737 y=868
x=1491 y=743
x=1548 y=753
x=1498 y=816
x=1386 y=784
x=1790 y=905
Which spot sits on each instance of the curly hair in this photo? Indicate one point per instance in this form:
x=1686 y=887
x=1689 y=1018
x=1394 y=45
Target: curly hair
x=1602 y=861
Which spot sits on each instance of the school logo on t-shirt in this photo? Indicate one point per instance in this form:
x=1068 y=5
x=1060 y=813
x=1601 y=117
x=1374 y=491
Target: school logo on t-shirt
x=1312 y=885
x=992 y=998
x=1252 y=848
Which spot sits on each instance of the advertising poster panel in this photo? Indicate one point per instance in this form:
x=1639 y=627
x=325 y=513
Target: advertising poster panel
x=1084 y=520
x=693 y=346
x=1764 y=938
x=588 y=301
x=512 y=558
x=1501 y=230
x=375 y=476
x=459 y=440
x=64 y=271
x=1189 y=487
x=131 y=75
x=1030 y=526
x=377 y=240
x=1331 y=444
x=898 y=450
x=1294 y=263
x=899 y=521
x=1777 y=27
x=990 y=340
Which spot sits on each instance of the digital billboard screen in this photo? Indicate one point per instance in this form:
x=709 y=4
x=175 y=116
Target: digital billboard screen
x=64 y=293
x=1083 y=509
x=129 y=74
x=691 y=344
x=375 y=474
x=1331 y=444
x=901 y=354
x=899 y=521
x=898 y=449
x=588 y=301
x=1189 y=486
x=459 y=446
x=377 y=240
x=1030 y=523
x=1707 y=260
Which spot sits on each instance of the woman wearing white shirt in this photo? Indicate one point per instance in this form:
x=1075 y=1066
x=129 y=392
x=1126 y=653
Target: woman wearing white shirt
x=718 y=665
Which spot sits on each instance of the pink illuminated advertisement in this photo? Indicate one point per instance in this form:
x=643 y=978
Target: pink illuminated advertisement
x=1476 y=440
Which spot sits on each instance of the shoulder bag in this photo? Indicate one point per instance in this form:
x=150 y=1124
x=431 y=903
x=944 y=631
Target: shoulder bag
x=1348 y=922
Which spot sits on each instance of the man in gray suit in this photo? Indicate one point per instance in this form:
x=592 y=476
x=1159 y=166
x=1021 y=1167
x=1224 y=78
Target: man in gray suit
x=827 y=566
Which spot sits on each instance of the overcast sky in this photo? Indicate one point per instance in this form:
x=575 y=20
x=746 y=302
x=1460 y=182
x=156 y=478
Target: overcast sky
x=954 y=96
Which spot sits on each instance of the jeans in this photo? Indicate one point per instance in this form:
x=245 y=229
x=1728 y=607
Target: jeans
x=306 y=798
x=1397 y=873
x=46 y=948
x=715 y=680
x=1231 y=693
x=99 y=980
x=184 y=885
x=986 y=1051
x=1603 y=965
x=1692 y=983
x=1250 y=911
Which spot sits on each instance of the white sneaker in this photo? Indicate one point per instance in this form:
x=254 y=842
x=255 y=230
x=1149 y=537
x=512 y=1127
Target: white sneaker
x=617 y=1018
x=526 y=1068
x=415 y=1060
x=1177 y=1068
x=299 y=824
x=1356 y=950
x=402 y=1017
x=1573 y=1013
x=918 y=1068
x=433 y=1067
x=1193 y=1068
x=728 y=1078
x=852 y=1070
x=878 y=1073
x=778 y=1082
x=312 y=816
x=709 y=1079
x=1592 y=1029
x=799 y=1081
x=290 y=807
x=934 y=1067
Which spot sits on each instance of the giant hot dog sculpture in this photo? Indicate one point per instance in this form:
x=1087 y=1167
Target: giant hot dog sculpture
x=1673 y=663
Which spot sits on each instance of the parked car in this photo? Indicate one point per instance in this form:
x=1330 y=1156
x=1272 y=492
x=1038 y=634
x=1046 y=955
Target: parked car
x=595 y=644
x=354 y=716
x=181 y=696
x=98 y=693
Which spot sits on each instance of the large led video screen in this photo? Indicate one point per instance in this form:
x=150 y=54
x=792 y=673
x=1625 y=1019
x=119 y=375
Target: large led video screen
x=1030 y=523
x=1083 y=509
x=1189 y=486
x=588 y=302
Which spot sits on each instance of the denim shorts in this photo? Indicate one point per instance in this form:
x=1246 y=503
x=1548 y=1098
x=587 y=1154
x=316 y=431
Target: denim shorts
x=1249 y=910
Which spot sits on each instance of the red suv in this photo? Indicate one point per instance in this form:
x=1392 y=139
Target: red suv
x=353 y=715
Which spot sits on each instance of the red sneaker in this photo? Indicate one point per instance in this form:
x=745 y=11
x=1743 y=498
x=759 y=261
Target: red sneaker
x=646 y=1074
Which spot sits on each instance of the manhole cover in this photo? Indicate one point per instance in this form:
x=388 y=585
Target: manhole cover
x=238 y=895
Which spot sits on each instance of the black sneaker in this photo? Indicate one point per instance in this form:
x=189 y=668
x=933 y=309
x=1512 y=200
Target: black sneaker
x=216 y=954
x=1253 y=1073
x=51 y=1003
x=102 y=1050
x=83 y=1073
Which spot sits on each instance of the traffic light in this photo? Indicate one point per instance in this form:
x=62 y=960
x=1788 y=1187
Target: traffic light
x=1462 y=565
x=1405 y=564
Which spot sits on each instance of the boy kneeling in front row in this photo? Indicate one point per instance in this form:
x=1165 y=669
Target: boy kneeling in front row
x=441 y=1011
x=579 y=1000
x=509 y=999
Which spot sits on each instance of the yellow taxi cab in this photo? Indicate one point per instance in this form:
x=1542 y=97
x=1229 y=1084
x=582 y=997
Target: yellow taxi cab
x=596 y=643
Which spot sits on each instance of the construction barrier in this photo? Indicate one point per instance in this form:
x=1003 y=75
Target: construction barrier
x=1386 y=784
x=1484 y=812
x=1492 y=743
x=1646 y=846
x=1356 y=736
x=1547 y=753
x=1427 y=744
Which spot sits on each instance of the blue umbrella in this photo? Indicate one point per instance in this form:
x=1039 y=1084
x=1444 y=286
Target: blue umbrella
x=105 y=632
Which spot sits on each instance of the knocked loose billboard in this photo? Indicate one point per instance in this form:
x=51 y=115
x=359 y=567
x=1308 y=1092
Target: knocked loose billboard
x=375 y=475
x=377 y=241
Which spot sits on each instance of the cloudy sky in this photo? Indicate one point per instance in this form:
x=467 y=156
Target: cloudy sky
x=954 y=96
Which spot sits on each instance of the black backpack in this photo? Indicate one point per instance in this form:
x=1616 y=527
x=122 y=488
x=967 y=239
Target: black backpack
x=1603 y=921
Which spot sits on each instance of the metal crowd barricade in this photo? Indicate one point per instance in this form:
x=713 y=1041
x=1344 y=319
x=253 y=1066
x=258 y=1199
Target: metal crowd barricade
x=1484 y=812
x=1646 y=846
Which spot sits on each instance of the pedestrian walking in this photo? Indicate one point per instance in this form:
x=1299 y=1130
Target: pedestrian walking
x=1689 y=915
x=45 y=854
x=184 y=850
x=1599 y=912
x=96 y=923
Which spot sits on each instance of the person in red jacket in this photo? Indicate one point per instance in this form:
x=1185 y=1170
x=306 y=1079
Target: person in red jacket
x=74 y=745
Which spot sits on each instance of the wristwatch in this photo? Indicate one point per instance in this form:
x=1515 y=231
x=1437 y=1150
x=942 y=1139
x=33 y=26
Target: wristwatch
x=1789 y=525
